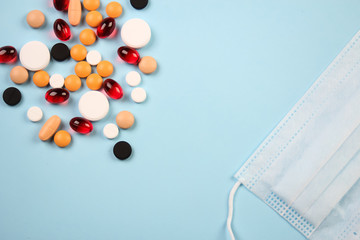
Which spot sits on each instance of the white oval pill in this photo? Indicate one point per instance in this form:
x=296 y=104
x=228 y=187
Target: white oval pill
x=93 y=106
x=138 y=95
x=93 y=57
x=133 y=78
x=34 y=114
x=34 y=56
x=111 y=131
x=56 y=81
x=136 y=33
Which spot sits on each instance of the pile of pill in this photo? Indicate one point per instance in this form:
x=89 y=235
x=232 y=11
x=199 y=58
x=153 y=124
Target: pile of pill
x=93 y=105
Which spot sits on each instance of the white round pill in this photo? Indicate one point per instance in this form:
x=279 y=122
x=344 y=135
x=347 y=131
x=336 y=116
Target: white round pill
x=133 y=78
x=93 y=57
x=111 y=131
x=136 y=33
x=35 y=56
x=138 y=95
x=57 y=81
x=34 y=114
x=93 y=105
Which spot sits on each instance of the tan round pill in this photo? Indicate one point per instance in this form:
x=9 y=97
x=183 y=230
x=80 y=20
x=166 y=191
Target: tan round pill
x=125 y=119
x=19 y=75
x=35 y=18
x=147 y=65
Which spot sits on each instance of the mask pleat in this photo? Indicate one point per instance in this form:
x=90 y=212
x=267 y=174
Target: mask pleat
x=308 y=165
x=318 y=185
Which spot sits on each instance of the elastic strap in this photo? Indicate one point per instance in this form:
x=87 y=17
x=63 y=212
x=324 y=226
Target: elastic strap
x=231 y=208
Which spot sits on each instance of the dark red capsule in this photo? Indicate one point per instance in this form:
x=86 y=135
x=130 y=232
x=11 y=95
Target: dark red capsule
x=106 y=27
x=61 y=5
x=62 y=30
x=8 y=54
x=81 y=125
x=113 y=89
x=129 y=55
x=57 y=95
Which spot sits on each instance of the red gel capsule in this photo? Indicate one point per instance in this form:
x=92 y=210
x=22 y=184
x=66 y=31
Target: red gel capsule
x=106 y=27
x=81 y=125
x=61 y=5
x=113 y=89
x=129 y=55
x=8 y=54
x=57 y=95
x=62 y=30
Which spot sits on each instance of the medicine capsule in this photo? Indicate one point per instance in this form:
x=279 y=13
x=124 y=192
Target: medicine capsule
x=129 y=55
x=57 y=95
x=61 y=5
x=8 y=54
x=78 y=52
x=147 y=65
x=81 y=125
x=113 y=89
x=87 y=37
x=114 y=9
x=106 y=27
x=94 y=18
x=62 y=30
x=104 y=68
x=62 y=138
x=35 y=19
x=91 y=5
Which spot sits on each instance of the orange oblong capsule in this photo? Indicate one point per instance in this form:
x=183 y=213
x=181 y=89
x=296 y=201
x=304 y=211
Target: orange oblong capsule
x=74 y=12
x=49 y=128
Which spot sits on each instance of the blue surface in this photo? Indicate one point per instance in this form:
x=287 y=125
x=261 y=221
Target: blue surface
x=228 y=72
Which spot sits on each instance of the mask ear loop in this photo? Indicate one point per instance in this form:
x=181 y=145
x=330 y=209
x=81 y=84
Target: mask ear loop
x=231 y=208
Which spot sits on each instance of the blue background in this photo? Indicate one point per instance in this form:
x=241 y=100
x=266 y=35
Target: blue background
x=228 y=72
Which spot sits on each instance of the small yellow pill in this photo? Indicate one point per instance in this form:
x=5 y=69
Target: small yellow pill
x=87 y=37
x=94 y=81
x=41 y=78
x=62 y=138
x=78 y=52
x=94 y=18
x=91 y=5
x=114 y=9
x=72 y=83
x=82 y=69
x=105 y=68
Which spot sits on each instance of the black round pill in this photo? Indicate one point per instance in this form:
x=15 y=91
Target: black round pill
x=122 y=150
x=12 y=96
x=139 y=4
x=60 y=52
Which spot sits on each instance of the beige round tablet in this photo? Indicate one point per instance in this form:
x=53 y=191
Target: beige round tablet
x=133 y=78
x=35 y=19
x=35 y=114
x=19 y=75
x=138 y=95
x=111 y=131
x=147 y=65
x=125 y=119
x=57 y=81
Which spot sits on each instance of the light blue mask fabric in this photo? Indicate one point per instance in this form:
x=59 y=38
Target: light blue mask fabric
x=308 y=168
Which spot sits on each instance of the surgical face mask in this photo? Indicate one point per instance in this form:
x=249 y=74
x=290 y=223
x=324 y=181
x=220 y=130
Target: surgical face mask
x=308 y=168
